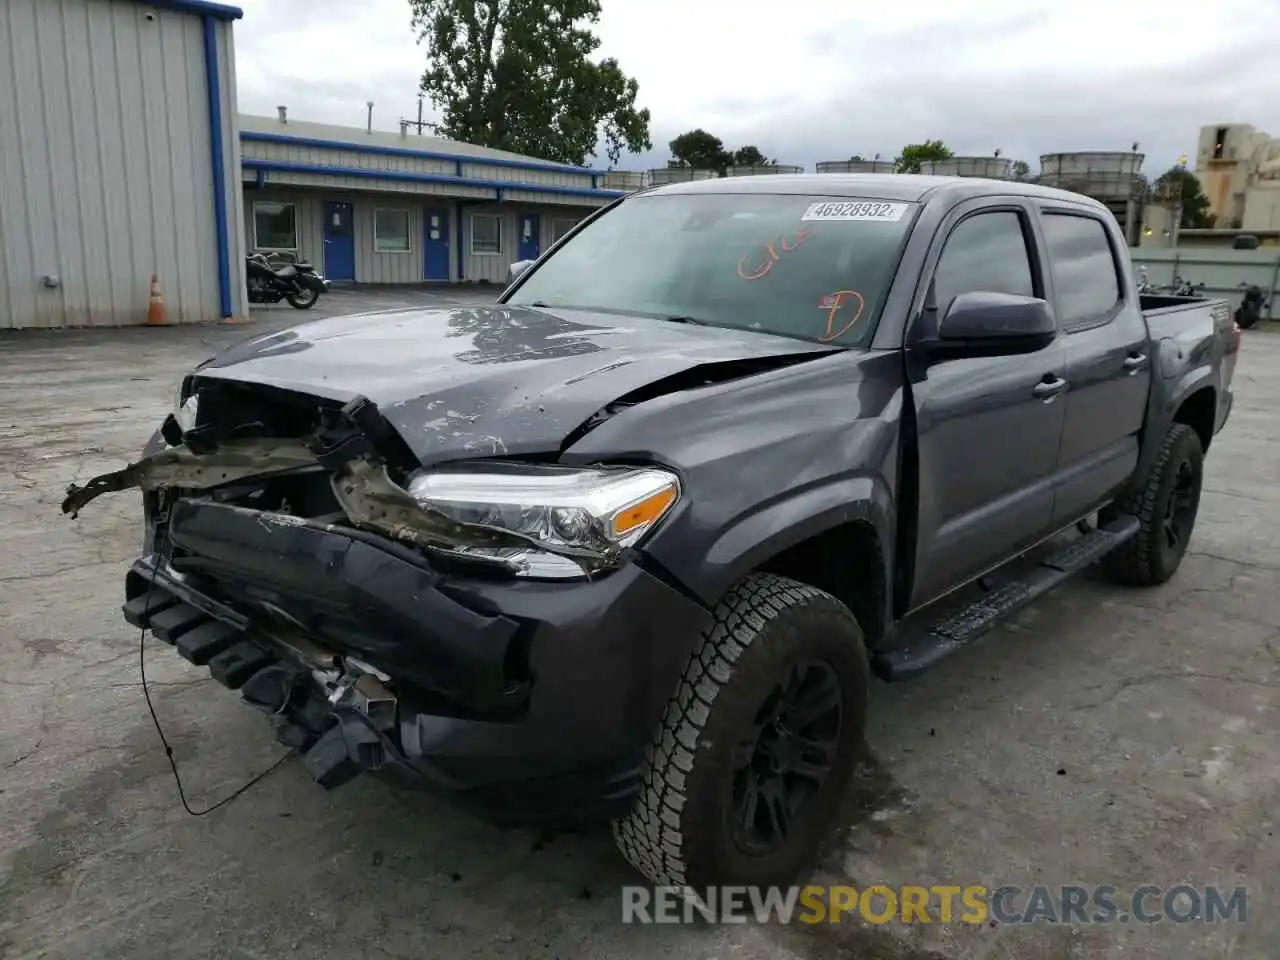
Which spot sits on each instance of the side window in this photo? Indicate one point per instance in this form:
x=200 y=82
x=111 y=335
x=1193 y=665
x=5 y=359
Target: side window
x=1086 y=281
x=986 y=252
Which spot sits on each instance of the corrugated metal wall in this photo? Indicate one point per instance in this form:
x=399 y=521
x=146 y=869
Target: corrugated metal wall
x=373 y=267
x=105 y=163
x=334 y=155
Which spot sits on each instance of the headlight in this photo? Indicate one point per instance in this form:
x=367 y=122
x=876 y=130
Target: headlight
x=559 y=510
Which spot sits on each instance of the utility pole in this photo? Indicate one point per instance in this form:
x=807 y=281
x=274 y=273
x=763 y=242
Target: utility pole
x=419 y=123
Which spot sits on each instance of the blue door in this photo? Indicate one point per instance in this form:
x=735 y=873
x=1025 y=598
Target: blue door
x=339 y=242
x=528 y=247
x=435 y=243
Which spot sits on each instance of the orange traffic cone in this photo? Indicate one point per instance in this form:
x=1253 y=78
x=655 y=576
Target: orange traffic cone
x=155 y=310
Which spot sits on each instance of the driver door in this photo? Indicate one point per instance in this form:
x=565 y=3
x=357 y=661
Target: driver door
x=988 y=428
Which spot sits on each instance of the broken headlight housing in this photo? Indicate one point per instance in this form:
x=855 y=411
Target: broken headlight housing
x=560 y=511
x=185 y=408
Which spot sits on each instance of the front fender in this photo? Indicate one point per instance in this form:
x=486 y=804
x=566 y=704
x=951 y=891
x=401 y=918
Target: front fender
x=777 y=527
x=766 y=462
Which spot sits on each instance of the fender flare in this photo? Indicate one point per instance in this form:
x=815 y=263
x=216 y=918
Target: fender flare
x=756 y=537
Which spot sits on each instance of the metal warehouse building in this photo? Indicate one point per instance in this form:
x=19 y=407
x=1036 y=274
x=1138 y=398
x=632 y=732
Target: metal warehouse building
x=119 y=159
x=374 y=207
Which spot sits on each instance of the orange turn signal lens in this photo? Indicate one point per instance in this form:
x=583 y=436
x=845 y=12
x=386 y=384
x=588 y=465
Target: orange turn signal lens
x=642 y=514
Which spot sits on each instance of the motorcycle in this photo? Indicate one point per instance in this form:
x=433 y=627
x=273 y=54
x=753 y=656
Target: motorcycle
x=273 y=278
x=1250 y=310
x=1185 y=288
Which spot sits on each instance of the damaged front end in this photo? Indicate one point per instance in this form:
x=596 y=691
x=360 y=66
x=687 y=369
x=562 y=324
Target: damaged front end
x=535 y=520
x=299 y=551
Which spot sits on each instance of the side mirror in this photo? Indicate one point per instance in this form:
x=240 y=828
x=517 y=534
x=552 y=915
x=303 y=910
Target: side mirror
x=983 y=324
x=516 y=269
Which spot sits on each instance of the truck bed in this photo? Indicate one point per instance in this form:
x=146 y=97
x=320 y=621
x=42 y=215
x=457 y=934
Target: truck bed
x=1200 y=329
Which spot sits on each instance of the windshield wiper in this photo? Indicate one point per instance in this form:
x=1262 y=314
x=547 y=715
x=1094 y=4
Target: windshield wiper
x=682 y=319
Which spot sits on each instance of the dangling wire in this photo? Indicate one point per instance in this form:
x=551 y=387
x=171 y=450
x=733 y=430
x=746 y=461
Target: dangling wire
x=146 y=693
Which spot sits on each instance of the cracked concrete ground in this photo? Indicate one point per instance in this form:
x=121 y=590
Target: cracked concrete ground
x=1110 y=736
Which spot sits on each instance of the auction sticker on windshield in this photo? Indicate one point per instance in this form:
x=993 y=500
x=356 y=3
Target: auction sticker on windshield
x=847 y=210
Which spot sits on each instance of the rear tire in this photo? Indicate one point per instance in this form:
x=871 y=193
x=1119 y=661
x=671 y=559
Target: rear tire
x=304 y=300
x=772 y=705
x=1166 y=508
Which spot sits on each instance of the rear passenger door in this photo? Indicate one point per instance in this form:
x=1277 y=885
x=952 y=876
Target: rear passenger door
x=1108 y=361
x=987 y=429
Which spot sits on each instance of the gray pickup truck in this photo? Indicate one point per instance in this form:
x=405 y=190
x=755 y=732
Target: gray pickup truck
x=630 y=542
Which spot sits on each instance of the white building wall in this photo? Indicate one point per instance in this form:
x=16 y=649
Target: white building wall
x=105 y=163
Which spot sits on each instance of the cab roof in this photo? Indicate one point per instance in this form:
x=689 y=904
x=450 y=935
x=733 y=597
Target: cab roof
x=913 y=187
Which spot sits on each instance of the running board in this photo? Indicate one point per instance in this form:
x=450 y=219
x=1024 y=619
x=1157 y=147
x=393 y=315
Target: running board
x=971 y=622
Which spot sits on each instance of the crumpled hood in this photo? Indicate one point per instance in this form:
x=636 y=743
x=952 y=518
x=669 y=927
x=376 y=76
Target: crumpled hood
x=484 y=381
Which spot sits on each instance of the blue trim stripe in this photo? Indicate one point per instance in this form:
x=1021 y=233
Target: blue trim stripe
x=205 y=8
x=220 y=220
x=402 y=177
x=252 y=136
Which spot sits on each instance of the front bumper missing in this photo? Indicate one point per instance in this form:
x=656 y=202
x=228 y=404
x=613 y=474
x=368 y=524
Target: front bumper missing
x=337 y=712
x=535 y=714
x=532 y=701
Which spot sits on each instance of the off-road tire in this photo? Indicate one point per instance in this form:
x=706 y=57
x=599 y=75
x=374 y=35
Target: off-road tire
x=678 y=832
x=1148 y=559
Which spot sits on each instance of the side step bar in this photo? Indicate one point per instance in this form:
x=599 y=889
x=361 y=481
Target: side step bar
x=971 y=622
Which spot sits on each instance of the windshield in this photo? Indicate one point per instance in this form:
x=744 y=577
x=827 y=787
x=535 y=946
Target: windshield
x=814 y=268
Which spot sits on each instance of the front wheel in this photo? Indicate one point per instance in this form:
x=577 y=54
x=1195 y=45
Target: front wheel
x=1166 y=508
x=747 y=769
x=304 y=299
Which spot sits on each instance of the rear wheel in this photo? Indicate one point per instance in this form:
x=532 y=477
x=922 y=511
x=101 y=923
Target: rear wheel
x=1166 y=508
x=304 y=299
x=747 y=770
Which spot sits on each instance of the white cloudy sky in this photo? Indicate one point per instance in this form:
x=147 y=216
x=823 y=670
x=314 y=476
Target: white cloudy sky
x=808 y=80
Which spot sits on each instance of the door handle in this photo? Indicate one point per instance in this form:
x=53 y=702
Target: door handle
x=1049 y=388
x=1135 y=362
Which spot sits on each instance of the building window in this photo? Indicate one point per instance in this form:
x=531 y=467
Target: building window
x=560 y=227
x=486 y=234
x=1220 y=143
x=275 y=225
x=391 y=231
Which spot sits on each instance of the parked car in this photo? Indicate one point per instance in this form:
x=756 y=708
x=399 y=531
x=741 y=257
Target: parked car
x=630 y=542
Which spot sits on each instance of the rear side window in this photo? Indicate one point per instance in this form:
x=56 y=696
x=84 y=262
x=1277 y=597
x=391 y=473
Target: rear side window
x=1085 y=279
x=986 y=252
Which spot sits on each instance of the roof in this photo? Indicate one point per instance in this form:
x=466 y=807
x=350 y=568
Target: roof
x=219 y=11
x=912 y=187
x=327 y=135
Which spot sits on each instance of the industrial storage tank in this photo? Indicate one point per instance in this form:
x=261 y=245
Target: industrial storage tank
x=663 y=175
x=1099 y=174
x=762 y=168
x=855 y=166
x=994 y=168
x=1113 y=178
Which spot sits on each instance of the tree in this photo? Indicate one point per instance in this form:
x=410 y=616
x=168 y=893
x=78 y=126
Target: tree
x=1021 y=170
x=914 y=154
x=1180 y=184
x=749 y=156
x=518 y=75
x=701 y=150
